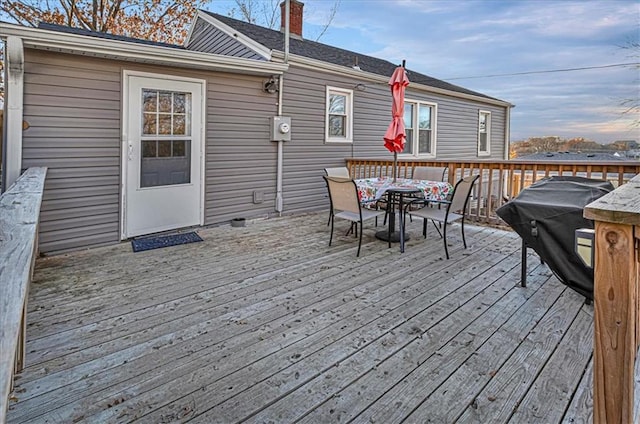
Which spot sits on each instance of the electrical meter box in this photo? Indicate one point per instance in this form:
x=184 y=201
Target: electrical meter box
x=280 y=128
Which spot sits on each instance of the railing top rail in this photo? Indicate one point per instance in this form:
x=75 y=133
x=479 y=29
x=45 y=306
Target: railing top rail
x=621 y=206
x=19 y=212
x=630 y=162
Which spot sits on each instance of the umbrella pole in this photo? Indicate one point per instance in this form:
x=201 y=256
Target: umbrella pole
x=395 y=165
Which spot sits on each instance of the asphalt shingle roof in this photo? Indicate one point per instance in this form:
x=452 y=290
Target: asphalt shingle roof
x=274 y=40
x=104 y=35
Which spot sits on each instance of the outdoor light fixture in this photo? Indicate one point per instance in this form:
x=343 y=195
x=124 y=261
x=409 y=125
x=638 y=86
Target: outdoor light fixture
x=271 y=86
x=360 y=87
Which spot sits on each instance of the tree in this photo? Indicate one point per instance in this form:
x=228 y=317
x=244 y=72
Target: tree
x=156 y=20
x=267 y=13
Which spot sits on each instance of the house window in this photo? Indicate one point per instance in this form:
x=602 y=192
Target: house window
x=484 y=133
x=419 y=124
x=339 y=115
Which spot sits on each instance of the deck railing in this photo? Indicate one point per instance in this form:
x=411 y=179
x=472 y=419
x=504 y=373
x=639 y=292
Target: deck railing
x=19 y=212
x=499 y=181
x=616 y=393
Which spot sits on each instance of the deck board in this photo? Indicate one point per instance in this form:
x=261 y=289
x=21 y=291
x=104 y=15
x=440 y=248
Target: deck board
x=267 y=323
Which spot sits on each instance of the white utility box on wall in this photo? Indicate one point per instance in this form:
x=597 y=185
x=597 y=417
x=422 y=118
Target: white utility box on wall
x=280 y=128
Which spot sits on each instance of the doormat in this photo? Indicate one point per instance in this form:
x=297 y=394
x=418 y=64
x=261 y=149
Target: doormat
x=149 y=243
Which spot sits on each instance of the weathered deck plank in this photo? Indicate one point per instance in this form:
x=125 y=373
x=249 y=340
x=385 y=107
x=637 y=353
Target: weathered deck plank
x=230 y=330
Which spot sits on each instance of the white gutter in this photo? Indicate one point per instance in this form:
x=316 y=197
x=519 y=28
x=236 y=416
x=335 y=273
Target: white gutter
x=14 y=94
x=280 y=160
x=136 y=52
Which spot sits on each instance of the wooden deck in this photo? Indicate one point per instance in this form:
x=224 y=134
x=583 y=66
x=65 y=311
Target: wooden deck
x=268 y=324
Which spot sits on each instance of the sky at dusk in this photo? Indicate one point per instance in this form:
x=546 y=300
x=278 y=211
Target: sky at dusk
x=468 y=42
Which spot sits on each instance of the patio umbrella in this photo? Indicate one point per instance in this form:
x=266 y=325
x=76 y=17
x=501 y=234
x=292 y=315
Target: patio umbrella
x=395 y=136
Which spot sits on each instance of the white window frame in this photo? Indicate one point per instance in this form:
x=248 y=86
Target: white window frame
x=416 y=133
x=487 y=113
x=348 y=138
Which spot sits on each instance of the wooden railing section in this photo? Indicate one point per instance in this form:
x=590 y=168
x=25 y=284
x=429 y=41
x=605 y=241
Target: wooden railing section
x=616 y=395
x=499 y=181
x=19 y=213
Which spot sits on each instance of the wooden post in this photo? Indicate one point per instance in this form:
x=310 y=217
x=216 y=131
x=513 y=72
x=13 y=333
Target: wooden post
x=616 y=303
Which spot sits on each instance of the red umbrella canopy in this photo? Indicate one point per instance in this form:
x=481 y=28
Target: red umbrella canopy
x=395 y=136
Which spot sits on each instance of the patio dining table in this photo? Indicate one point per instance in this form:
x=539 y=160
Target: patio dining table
x=372 y=189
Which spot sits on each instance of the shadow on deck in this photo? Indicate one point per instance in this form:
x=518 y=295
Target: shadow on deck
x=268 y=323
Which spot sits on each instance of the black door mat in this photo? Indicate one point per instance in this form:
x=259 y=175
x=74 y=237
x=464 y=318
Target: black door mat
x=149 y=243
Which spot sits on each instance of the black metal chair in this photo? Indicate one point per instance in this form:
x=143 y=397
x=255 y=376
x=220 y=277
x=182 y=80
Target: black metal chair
x=454 y=210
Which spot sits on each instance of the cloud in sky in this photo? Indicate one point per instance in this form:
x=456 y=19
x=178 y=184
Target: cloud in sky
x=451 y=40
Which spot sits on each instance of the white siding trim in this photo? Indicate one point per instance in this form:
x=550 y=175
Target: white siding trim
x=12 y=152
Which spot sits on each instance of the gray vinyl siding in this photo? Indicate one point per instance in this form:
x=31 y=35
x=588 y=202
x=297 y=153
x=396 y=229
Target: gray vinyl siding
x=307 y=154
x=73 y=107
x=209 y=39
x=240 y=159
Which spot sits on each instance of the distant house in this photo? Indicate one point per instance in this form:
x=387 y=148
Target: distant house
x=141 y=137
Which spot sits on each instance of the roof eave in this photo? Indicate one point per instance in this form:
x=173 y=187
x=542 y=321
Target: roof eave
x=124 y=50
x=305 y=62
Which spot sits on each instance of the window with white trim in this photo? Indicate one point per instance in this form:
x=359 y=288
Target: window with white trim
x=339 y=115
x=420 y=125
x=484 y=133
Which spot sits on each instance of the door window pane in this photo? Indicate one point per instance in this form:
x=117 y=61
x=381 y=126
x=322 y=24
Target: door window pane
x=149 y=149
x=166 y=113
x=149 y=101
x=165 y=101
x=164 y=160
x=164 y=124
x=164 y=149
x=171 y=164
x=179 y=125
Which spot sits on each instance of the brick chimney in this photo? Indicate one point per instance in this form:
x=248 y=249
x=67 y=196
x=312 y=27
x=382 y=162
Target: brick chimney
x=295 y=20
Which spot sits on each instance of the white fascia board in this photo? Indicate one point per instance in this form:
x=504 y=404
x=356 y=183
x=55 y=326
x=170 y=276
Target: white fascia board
x=247 y=41
x=125 y=50
x=192 y=25
x=305 y=62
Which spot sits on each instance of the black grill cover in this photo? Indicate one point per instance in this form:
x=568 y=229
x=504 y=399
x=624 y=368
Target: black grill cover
x=546 y=215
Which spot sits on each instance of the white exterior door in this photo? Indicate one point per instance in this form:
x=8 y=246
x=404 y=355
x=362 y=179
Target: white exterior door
x=163 y=151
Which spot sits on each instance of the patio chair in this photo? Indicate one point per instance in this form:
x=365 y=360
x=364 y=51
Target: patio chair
x=431 y=173
x=453 y=211
x=343 y=194
x=343 y=172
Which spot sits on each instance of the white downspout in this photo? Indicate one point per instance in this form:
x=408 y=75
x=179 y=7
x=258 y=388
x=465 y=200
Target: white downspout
x=280 y=160
x=14 y=94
